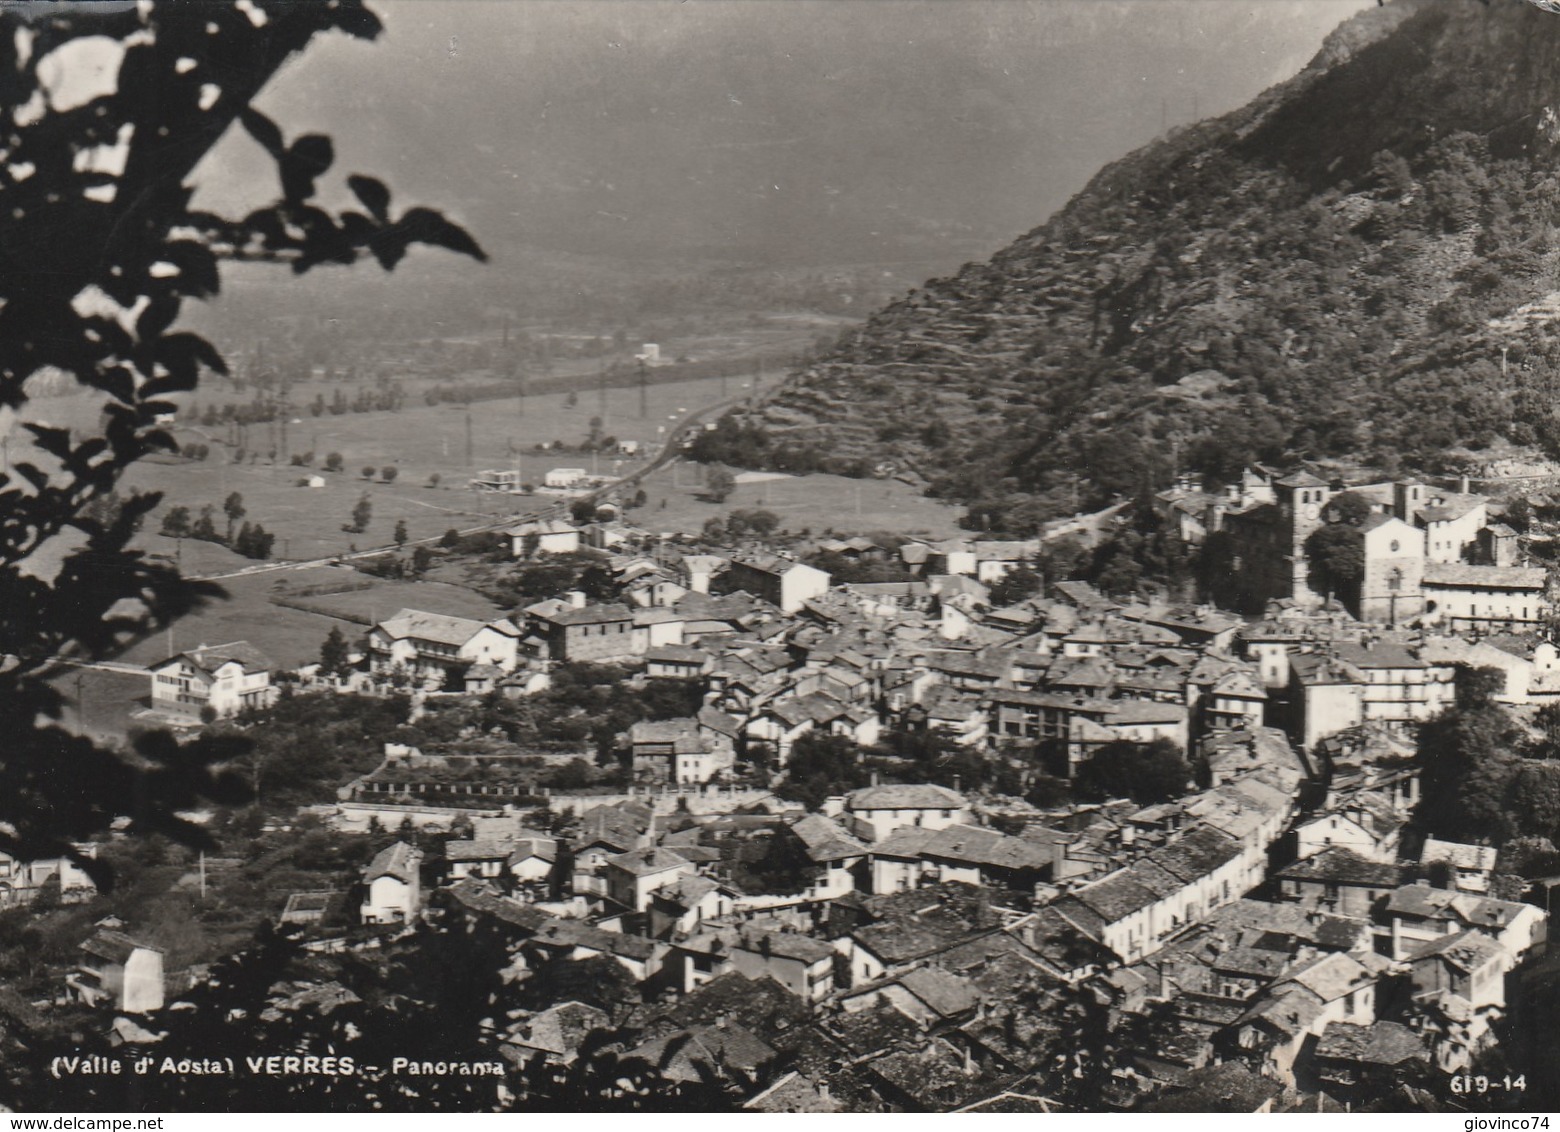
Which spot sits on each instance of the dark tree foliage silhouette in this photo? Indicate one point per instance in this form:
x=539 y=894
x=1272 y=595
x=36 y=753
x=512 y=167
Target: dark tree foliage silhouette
x=95 y=265
x=1145 y=772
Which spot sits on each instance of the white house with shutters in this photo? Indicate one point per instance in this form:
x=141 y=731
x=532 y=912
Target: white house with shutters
x=436 y=646
x=226 y=678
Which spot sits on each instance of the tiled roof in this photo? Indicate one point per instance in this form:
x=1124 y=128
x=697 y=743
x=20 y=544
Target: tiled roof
x=213 y=657
x=612 y=826
x=1485 y=577
x=1116 y=897
x=785 y=945
x=1487 y=912
x=769 y=563
x=557 y=932
x=977 y=846
x=399 y=860
x=538 y=846
x=647 y=862
x=477 y=898
x=478 y=850
x=1458 y=855
x=1468 y=950
x=793 y=1093
x=1381 y=1043
x=1252 y=962
x=1382 y=654
x=1081 y=915
x=441 y=628
x=1229 y=1086
x=1423 y=902
x=690 y=1055
x=905 y=796
x=714 y=719
x=1291 y=1009
x=1130 y=712
x=905 y=938
x=827 y=840
x=1240 y=683
x=598 y=614
x=906 y=842
x=661 y=731
x=116 y=947
x=1450 y=506
x=1379 y=519
x=558 y=1030
x=686 y=891
x=1333 y=976
x=683 y=654
x=1196 y=854
x=1318 y=668
x=943 y=991
x=1336 y=933
x=1343 y=866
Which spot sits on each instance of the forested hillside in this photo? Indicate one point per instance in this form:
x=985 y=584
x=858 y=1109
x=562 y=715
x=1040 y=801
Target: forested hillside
x=1331 y=272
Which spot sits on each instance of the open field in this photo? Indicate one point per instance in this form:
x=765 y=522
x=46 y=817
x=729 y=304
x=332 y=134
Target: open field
x=379 y=598
x=292 y=636
x=289 y=636
x=100 y=702
x=818 y=503
x=419 y=441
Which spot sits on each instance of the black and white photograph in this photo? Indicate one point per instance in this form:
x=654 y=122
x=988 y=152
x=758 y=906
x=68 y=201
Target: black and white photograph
x=779 y=556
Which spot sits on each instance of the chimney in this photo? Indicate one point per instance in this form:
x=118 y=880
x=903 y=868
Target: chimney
x=874 y=778
x=576 y=599
x=1462 y=485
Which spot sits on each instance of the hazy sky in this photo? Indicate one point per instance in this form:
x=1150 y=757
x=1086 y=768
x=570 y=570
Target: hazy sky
x=800 y=130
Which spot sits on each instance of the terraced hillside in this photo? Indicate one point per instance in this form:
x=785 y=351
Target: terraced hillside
x=1354 y=267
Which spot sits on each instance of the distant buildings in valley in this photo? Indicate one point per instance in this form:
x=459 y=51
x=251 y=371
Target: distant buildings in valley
x=1277 y=915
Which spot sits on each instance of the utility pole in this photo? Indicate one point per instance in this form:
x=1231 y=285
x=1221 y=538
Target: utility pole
x=470 y=460
x=601 y=393
x=644 y=382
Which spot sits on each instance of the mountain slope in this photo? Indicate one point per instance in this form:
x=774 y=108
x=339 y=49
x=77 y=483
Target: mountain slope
x=1312 y=276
